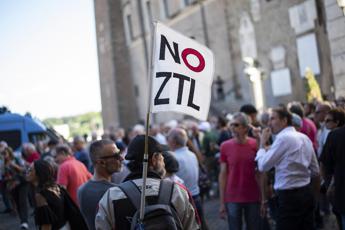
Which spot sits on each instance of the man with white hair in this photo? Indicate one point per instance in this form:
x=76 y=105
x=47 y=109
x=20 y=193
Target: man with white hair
x=29 y=153
x=188 y=166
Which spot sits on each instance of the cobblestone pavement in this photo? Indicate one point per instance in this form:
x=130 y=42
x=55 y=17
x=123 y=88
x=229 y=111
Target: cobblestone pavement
x=10 y=221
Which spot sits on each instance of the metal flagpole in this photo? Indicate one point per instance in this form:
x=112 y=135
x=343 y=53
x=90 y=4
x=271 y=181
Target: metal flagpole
x=146 y=156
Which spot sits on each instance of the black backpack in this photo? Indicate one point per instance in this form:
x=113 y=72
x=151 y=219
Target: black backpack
x=160 y=216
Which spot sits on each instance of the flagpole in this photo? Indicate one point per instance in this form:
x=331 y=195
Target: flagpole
x=146 y=156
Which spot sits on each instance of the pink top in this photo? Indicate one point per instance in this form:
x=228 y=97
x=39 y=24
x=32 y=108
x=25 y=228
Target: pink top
x=72 y=174
x=309 y=129
x=241 y=184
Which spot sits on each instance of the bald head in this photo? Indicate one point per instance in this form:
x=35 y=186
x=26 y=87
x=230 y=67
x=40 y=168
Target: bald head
x=177 y=138
x=321 y=110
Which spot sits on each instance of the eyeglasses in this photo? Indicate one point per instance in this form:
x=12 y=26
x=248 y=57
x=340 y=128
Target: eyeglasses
x=329 y=120
x=235 y=125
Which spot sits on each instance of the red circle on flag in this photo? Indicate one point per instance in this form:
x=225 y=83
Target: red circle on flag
x=201 y=59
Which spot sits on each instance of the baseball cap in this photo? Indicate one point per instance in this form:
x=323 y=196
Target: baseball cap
x=136 y=148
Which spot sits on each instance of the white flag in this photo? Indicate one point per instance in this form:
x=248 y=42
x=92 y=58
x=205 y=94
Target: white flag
x=182 y=74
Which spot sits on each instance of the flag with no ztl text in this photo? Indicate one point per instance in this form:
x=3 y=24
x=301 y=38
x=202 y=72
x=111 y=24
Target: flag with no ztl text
x=182 y=74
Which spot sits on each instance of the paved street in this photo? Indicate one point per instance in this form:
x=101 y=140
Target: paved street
x=10 y=221
x=215 y=223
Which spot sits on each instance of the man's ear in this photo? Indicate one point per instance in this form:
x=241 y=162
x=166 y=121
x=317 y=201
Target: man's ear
x=154 y=159
x=101 y=162
x=285 y=121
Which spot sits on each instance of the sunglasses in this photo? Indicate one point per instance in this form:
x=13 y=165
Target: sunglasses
x=234 y=124
x=329 y=120
x=114 y=156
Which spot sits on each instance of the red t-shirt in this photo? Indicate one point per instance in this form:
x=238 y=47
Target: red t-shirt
x=241 y=185
x=33 y=157
x=72 y=174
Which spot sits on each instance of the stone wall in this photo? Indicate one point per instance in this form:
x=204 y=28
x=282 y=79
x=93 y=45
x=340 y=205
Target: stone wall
x=336 y=35
x=222 y=25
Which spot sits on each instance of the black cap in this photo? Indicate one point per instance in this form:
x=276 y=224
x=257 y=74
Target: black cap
x=171 y=164
x=136 y=148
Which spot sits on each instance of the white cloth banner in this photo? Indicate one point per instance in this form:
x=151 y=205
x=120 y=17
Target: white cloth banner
x=182 y=74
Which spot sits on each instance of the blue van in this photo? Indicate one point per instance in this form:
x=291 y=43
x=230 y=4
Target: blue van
x=16 y=129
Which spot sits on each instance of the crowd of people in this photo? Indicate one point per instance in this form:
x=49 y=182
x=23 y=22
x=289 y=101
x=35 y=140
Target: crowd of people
x=282 y=168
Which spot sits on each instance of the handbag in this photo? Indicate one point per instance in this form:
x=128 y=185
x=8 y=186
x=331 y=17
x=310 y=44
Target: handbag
x=73 y=215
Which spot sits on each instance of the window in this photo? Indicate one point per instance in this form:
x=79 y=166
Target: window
x=189 y=2
x=12 y=138
x=37 y=136
x=136 y=90
x=166 y=8
x=149 y=13
x=130 y=26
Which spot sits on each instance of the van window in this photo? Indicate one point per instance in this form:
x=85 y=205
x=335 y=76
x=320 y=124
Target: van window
x=12 y=138
x=37 y=136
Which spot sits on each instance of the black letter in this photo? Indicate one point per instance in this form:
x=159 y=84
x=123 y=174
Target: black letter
x=191 y=95
x=181 y=78
x=162 y=101
x=175 y=55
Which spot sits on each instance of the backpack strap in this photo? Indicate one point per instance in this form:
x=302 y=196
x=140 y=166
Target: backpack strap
x=166 y=188
x=132 y=192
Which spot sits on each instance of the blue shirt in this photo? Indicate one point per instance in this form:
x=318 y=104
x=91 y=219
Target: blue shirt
x=188 y=169
x=83 y=157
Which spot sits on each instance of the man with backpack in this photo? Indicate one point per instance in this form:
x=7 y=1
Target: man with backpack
x=167 y=203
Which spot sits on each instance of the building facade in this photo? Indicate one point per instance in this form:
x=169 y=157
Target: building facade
x=282 y=37
x=335 y=21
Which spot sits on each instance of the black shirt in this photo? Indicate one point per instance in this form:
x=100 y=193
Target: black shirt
x=333 y=159
x=53 y=213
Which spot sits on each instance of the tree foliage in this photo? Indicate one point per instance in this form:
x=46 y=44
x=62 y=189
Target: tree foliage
x=79 y=124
